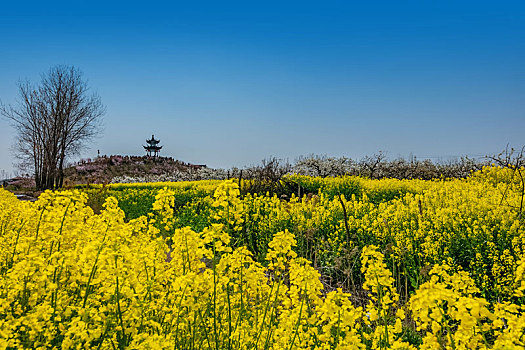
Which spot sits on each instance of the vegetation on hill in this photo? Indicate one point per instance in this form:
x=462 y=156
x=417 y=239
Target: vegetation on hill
x=106 y=168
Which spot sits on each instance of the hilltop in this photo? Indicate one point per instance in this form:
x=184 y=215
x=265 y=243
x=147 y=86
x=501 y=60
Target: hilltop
x=105 y=169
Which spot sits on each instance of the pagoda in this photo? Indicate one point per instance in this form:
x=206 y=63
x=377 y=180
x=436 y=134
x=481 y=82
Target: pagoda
x=152 y=149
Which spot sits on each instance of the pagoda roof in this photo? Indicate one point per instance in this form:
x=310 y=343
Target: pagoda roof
x=152 y=147
x=152 y=140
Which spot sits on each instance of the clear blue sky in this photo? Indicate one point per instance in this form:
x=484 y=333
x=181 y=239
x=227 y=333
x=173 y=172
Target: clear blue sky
x=230 y=83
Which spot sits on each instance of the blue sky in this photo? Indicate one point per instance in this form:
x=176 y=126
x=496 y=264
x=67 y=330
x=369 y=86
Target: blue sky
x=230 y=83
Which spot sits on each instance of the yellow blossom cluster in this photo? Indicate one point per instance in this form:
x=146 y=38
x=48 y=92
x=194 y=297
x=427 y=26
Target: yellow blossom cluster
x=229 y=205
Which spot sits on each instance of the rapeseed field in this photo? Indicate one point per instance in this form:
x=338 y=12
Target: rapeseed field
x=352 y=264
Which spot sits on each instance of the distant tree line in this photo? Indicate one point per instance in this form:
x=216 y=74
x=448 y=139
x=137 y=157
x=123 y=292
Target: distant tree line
x=378 y=166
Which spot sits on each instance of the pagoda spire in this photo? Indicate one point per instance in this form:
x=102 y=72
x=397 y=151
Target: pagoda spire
x=152 y=148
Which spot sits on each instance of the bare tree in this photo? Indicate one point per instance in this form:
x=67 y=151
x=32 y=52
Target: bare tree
x=53 y=121
x=371 y=164
x=514 y=160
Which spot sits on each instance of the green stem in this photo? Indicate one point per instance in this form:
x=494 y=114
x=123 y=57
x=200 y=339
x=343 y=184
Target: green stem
x=298 y=322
